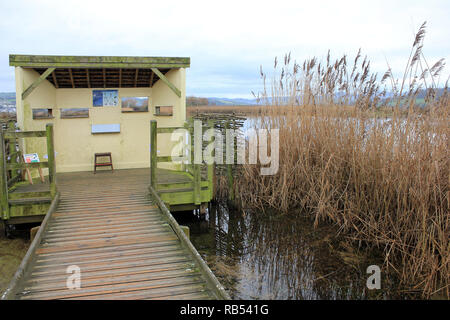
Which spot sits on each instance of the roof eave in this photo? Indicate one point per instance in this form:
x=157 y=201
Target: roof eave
x=40 y=61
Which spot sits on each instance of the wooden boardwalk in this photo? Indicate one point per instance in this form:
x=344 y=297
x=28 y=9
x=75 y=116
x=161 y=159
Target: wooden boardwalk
x=108 y=226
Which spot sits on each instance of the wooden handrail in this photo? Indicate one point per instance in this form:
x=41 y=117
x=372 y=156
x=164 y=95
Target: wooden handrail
x=192 y=168
x=3 y=179
x=24 y=165
x=212 y=281
x=24 y=134
x=13 y=166
x=9 y=293
x=166 y=130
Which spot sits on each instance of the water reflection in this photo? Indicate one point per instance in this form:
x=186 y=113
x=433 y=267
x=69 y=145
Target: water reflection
x=260 y=256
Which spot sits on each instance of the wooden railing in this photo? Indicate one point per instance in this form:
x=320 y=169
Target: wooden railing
x=194 y=169
x=10 y=164
x=214 y=285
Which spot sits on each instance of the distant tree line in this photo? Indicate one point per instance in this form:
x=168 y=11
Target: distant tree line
x=196 y=101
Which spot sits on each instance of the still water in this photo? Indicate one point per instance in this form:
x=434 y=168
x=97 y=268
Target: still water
x=12 y=252
x=263 y=256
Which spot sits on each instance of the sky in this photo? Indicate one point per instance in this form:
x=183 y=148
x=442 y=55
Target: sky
x=227 y=41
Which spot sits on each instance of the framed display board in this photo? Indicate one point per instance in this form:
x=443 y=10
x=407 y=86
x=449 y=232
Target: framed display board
x=105 y=98
x=134 y=104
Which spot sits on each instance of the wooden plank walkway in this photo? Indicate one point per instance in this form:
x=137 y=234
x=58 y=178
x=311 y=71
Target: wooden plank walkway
x=107 y=225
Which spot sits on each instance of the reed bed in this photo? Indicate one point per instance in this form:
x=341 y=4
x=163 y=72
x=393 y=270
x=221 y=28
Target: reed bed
x=383 y=181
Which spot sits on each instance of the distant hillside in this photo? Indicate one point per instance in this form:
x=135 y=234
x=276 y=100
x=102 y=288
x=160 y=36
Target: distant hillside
x=198 y=101
x=231 y=102
x=7 y=98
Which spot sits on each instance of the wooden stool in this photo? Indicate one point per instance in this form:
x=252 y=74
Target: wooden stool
x=103 y=164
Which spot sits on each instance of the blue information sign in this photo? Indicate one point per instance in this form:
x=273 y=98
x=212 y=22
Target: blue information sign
x=104 y=98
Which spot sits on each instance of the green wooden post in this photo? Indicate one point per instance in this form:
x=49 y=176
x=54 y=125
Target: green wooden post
x=191 y=143
x=51 y=159
x=3 y=179
x=197 y=174
x=153 y=153
x=12 y=149
x=230 y=177
x=211 y=166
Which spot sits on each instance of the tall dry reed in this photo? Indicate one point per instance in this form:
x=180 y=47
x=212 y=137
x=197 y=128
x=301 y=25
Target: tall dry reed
x=383 y=181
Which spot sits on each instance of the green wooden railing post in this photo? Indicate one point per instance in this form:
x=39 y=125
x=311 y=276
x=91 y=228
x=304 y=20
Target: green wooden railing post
x=153 y=153
x=3 y=179
x=229 y=166
x=51 y=159
x=197 y=172
x=12 y=149
x=211 y=166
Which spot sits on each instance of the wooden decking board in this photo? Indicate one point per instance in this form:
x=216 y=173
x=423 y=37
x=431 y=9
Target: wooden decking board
x=94 y=221
x=122 y=265
x=124 y=287
x=160 y=293
x=87 y=257
x=73 y=218
x=94 y=214
x=118 y=229
x=111 y=249
x=101 y=203
x=111 y=260
x=107 y=226
x=151 y=263
x=106 y=213
x=195 y=295
x=95 y=237
x=117 y=280
x=89 y=275
x=112 y=215
x=103 y=243
x=108 y=221
x=111 y=226
x=109 y=206
x=104 y=199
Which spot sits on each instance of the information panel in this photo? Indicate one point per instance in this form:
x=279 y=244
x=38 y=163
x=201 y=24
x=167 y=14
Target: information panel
x=105 y=98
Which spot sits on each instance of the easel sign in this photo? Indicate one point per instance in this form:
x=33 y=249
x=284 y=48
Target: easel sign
x=32 y=158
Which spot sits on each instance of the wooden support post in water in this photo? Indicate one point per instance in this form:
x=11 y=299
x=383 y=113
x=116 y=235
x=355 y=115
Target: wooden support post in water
x=229 y=166
x=51 y=159
x=153 y=153
x=3 y=179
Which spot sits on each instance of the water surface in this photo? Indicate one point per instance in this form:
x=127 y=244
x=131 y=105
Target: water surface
x=261 y=256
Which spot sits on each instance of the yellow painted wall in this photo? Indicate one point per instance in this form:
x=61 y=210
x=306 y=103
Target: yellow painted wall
x=75 y=145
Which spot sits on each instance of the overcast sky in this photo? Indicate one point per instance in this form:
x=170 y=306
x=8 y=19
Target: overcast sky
x=227 y=41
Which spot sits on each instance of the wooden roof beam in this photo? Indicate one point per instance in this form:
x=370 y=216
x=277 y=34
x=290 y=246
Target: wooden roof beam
x=136 y=77
x=151 y=79
x=36 y=83
x=87 y=78
x=55 y=81
x=167 y=82
x=71 y=78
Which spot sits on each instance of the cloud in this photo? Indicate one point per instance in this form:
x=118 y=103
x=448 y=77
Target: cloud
x=227 y=41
